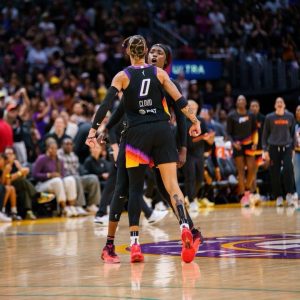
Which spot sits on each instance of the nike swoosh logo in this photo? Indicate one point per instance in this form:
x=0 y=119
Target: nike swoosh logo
x=98 y=124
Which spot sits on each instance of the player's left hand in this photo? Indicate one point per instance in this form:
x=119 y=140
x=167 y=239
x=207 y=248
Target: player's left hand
x=195 y=129
x=91 y=141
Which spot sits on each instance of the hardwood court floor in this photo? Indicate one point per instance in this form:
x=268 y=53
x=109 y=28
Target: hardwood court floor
x=248 y=254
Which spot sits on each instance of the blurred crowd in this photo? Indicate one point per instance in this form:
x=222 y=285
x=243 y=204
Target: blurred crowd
x=223 y=29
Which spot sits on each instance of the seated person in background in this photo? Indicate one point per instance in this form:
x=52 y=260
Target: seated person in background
x=58 y=133
x=80 y=148
x=26 y=192
x=97 y=164
x=9 y=192
x=50 y=174
x=4 y=196
x=84 y=183
x=71 y=128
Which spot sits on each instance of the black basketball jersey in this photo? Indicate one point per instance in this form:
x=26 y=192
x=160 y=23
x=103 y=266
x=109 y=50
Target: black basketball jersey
x=144 y=99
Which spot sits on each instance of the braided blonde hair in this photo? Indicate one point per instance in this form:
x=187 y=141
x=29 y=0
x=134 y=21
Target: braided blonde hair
x=136 y=45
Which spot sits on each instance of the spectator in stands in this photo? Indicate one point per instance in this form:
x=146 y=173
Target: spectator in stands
x=97 y=164
x=19 y=132
x=210 y=96
x=37 y=57
x=217 y=19
x=77 y=117
x=55 y=94
x=85 y=184
x=183 y=83
x=26 y=192
x=2 y=99
x=278 y=141
x=6 y=133
x=49 y=172
x=228 y=100
x=71 y=127
x=211 y=124
x=80 y=148
x=41 y=117
x=101 y=90
x=58 y=133
x=7 y=192
x=223 y=118
x=85 y=90
x=195 y=93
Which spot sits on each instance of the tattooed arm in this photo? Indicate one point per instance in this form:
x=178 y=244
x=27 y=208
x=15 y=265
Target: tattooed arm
x=181 y=102
x=188 y=112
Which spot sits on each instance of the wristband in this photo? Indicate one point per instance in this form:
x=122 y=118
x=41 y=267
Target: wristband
x=181 y=103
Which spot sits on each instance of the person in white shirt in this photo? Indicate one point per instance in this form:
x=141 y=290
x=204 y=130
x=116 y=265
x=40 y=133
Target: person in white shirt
x=218 y=20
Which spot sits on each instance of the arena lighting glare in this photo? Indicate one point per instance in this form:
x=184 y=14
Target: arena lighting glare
x=197 y=69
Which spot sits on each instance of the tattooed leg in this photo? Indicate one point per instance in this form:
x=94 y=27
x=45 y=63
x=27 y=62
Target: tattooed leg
x=181 y=211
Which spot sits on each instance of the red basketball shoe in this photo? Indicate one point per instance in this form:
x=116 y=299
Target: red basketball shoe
x=197 y=240
x=109 y=255
x=188 y=252
x=136 y=254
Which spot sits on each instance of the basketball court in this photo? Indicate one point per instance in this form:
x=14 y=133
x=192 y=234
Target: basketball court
x=248 y=254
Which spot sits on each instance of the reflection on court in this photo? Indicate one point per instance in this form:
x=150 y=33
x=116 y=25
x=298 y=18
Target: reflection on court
x=248 y=253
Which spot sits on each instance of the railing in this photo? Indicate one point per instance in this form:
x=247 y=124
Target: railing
x=164 y=34
x=262 y=75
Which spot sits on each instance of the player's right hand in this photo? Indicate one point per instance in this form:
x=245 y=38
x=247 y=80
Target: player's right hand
x=266 y=156
x=102 y=137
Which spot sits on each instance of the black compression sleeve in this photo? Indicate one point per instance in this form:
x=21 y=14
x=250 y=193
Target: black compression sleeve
x=116 y=116
x=105 y=107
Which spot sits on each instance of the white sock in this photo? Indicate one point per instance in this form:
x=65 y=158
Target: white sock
x=14 y=210
x=134 y=240
x=184 y=225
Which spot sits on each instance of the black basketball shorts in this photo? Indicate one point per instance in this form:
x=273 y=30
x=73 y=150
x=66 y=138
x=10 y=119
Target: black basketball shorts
x=150 y=144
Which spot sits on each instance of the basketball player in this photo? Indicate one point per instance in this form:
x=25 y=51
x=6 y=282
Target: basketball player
x=278 y=142
x=260 y=119
x=241 y=129
x=149 y=135
x=160 y=56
